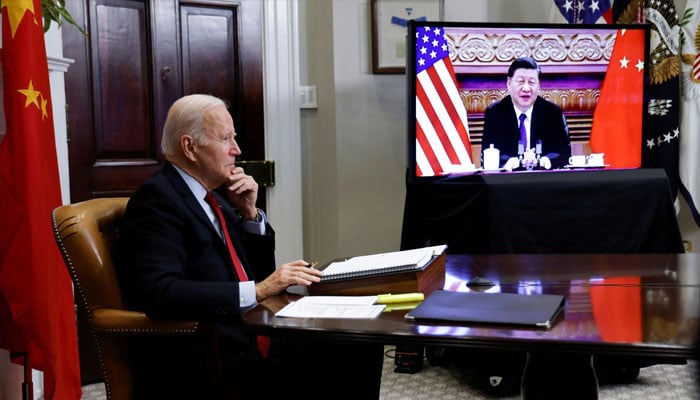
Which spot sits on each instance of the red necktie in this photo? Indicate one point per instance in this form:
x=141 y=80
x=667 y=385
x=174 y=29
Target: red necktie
x=240 y=272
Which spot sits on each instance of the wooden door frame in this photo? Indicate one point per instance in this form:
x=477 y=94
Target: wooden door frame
x=283 y=125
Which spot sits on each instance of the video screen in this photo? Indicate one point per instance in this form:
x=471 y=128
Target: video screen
x=487 y=97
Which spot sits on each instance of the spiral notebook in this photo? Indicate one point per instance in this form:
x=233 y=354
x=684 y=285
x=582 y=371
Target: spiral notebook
x=379 y=264
x=537 y=310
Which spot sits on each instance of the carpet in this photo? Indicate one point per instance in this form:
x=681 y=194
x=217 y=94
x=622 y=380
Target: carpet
x=658 y=382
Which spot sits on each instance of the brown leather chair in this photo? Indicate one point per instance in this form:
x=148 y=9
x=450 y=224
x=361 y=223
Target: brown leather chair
x=86 y=234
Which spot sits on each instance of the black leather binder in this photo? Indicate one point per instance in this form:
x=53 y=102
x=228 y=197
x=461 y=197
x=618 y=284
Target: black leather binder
x=538 y=310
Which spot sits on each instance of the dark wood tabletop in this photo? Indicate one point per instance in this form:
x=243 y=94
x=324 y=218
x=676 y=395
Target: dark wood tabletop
x=616 y=304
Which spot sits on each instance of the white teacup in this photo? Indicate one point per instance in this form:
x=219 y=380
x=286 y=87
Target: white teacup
x=577 y=160
x=596 y=159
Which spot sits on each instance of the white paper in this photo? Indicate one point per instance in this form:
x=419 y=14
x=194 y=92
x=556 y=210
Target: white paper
x=414 y=257
x=355 y=307
x=346 y=300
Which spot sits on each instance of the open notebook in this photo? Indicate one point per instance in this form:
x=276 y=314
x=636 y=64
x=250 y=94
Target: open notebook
x=538 y=310
x=383 y=263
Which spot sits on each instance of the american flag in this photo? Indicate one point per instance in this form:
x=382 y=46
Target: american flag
x=689 y=145
x=585 y=11
x=442 y=135
x=662 y=135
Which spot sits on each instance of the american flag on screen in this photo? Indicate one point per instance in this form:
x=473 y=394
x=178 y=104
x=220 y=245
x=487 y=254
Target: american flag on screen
x=689 y=152
x=583 y=11
x=442 y=135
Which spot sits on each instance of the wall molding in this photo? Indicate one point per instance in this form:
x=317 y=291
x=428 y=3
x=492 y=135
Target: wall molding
x=59 y=64
x=283 y=124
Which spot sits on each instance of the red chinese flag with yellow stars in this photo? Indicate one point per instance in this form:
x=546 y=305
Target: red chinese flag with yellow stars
x=617 y=127
x=36 y=298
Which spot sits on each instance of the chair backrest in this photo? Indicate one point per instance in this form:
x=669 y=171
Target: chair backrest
x=86 y=233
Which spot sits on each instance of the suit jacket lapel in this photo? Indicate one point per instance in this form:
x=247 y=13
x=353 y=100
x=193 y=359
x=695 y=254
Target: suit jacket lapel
x=191 y=202
x=512 y=120
x=187 y=197
x=535 y=124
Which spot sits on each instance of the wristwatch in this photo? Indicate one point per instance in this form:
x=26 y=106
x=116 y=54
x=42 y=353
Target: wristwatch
x=257 y=217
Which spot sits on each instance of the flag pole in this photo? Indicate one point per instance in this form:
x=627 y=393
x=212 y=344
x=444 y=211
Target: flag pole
x=27 y=384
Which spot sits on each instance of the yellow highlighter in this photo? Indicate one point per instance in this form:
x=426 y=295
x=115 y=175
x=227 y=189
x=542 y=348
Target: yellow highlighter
x=399 y=298
x=401 y=306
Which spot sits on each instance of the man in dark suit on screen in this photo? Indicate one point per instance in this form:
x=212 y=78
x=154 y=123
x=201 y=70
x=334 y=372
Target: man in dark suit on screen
x=527 y=119
x=193 y=245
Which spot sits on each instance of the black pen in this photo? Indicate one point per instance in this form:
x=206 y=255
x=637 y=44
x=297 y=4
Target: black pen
x=311 y=265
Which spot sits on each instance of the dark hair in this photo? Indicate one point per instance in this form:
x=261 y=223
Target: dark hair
x=523 y=62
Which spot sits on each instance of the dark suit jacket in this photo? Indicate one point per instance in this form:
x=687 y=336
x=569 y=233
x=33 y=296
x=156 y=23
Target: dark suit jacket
x=548 y=124
x=173 y=264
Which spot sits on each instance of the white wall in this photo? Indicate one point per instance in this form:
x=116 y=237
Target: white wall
x=58 y=66
x=354 y=144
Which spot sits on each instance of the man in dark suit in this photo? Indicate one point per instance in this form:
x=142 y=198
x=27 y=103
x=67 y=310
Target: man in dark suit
x=175 y=263
x=543 y=121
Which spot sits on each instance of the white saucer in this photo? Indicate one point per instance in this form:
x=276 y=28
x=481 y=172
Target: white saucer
x=481 y=169
x=586 y=166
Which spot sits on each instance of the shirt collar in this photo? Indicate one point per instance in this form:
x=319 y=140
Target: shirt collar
x=528 y=112
x=197 y=189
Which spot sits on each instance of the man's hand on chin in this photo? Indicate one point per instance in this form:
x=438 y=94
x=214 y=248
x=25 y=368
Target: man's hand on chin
x=243 y=192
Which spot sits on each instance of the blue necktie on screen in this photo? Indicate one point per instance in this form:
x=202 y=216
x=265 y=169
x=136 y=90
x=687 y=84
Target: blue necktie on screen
x=523 y=132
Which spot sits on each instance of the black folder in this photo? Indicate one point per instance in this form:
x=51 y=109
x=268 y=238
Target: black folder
x=537 y=310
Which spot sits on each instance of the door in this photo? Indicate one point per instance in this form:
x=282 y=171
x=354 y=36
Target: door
x=138 y=58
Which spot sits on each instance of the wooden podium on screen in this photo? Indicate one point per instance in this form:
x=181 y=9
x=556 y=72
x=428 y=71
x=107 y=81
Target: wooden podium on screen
x=425 y=279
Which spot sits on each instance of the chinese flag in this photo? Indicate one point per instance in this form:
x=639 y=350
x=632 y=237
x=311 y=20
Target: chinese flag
x=36 y=298
x=617 y=309
x=617 y=126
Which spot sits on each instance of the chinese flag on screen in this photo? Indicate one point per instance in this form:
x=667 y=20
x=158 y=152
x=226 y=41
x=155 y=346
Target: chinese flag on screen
x=36 y=297
x=617 y=121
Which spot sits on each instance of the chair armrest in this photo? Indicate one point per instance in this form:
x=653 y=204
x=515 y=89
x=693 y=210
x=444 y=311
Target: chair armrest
x=125 y=322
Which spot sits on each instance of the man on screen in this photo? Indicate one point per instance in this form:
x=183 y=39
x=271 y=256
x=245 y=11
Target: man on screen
x=525 y=118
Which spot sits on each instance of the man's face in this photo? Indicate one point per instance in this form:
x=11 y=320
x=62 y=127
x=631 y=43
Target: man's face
x=216 y=158
x=523 y=87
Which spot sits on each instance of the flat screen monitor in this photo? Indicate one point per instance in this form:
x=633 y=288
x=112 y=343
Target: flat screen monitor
x=458 y=73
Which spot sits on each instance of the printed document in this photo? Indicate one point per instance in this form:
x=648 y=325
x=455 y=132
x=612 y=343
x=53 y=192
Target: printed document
x=354 y=307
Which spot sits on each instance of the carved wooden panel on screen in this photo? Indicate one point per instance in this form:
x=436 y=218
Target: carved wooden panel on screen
x=137 y=59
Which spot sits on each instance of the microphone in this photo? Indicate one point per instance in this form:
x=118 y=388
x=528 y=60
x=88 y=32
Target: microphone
x=521 y=152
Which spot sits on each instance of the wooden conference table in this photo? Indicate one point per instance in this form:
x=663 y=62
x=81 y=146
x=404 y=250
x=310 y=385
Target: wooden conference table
x=642 y=305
